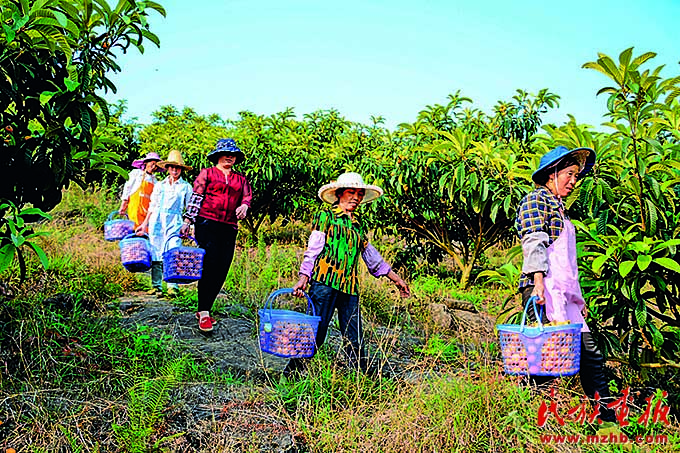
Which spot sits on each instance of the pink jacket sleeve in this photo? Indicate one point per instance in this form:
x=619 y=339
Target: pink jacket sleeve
x=317 y=240
x=375 y=262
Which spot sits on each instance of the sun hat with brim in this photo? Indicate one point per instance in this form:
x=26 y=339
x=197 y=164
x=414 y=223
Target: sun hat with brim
x=140 y=163
x=584 y=156
x=174 y=159
x=226 y=146
x=349 y=180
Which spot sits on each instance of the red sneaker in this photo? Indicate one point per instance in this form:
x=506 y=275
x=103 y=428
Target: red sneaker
x=205 y=323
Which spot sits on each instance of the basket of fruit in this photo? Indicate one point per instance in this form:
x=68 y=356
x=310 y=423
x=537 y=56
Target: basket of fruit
x=552 y=349
x=117 y=229
x=182 y=264
x=135 y=253
x=287 y=333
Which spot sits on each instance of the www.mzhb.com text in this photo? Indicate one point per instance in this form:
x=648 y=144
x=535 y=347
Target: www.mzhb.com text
x=604 y=439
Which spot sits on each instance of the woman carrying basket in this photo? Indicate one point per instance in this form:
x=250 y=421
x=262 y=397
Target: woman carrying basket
x=221 y=198
x=137 y=189
x=337 y=242
x=549 y=271
x=163 y=221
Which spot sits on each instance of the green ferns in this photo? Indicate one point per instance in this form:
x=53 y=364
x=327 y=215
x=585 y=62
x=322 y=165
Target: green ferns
x=147 y=399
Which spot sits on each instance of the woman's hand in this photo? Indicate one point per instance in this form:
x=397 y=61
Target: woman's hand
x=404 y=291
x=539 y=288
x=185 y=230
x=242 y=211
x=141 y=229
x=401 y=285
x=301 y=286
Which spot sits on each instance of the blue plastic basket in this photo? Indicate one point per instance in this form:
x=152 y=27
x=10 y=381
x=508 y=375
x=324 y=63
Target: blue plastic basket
x=117 y=229
x=542 y=350
x=286 y=333
x=135 y=253
x=182 y=264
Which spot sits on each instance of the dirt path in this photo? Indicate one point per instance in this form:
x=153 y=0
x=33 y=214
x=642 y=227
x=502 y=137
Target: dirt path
x=231 y=416
x=232 y=344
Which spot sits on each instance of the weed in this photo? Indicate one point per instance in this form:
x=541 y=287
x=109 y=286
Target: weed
x=445 y=350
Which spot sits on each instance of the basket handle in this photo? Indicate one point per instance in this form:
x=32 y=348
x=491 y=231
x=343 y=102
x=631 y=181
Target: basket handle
x=279 y=292
x=532 y=300
x=135 y=235
x=113 y=214
x=165 y=246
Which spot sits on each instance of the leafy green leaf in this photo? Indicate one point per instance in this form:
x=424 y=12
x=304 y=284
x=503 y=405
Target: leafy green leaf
x=668 y=263
x=598 y=263
x=643 y=261
x=625 y=267
x=71 y=85
x=6 y=256
x=41 y=254
x=45 y=96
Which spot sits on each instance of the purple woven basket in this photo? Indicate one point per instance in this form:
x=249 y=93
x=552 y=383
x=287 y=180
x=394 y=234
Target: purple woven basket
x=542 y=350
x=287 y=333
x=182 y=264
x=117 y=229
x=135 y=253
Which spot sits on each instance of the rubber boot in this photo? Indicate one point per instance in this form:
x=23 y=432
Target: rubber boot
x=157 y=275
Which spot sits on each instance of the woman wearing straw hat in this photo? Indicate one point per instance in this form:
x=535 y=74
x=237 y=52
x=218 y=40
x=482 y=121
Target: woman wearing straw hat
x=221 y=198
x=337 y=242
x=169 y=199
x=550 y=271
x=137 y=189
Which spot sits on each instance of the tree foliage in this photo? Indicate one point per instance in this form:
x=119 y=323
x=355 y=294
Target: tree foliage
x=455 y=176
x=55 y=58
x=631 y=200
x=187 y=131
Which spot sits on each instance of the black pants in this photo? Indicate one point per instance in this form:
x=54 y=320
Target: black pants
x=326 y=300
x=591 y=371
x=219 y=240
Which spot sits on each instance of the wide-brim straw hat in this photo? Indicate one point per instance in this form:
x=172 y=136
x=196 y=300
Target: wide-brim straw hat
x=174 y=158
x=584 y=156
x=140 y=163
x=226 y=146
x=349 y=180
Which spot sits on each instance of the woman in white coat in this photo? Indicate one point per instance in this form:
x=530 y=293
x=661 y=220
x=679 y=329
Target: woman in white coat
x=168 y=201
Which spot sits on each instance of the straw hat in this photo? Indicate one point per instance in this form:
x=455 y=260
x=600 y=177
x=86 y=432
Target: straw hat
x=174 y=158
x=349 y=180
x=140 y=163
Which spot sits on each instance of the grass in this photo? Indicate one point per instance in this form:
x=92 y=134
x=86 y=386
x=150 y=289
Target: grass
x=72 y=378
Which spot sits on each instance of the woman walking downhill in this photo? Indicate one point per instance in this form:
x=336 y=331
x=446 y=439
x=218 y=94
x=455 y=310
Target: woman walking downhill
x=221 y=197
x=163 y=221
x=137 y=189
x=330 y=265
x=550 y=271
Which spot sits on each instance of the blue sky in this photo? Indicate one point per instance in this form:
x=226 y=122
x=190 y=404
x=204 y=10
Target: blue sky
x=389 y=58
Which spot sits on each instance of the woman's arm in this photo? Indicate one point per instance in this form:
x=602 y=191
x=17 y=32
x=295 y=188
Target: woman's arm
x=378 y=267
x=315 y=244
x=193 y=206
x=246 y=200
x=532 y=218
x=127 y=190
